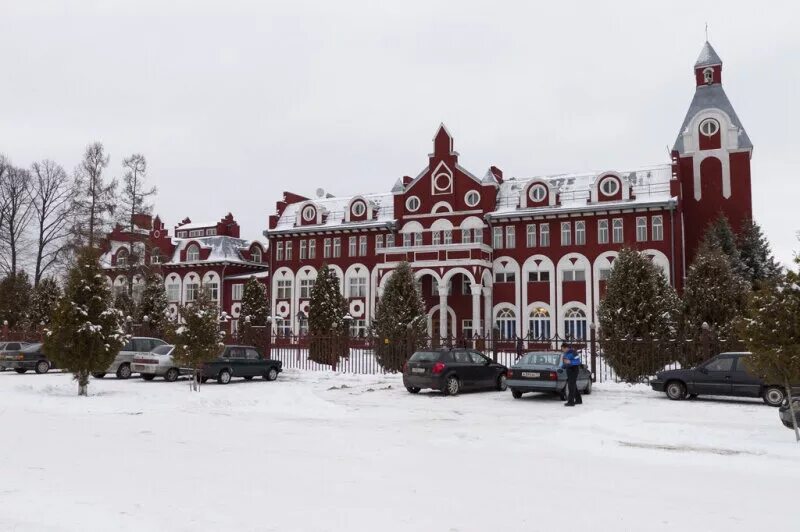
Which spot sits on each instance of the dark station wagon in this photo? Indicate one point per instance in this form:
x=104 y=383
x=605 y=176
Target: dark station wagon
x=30 y=357
x=451 y=371
x=243 y=361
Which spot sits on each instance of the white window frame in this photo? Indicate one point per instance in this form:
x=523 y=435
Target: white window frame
x=283 y=289
x=539 y=325
x=357 y=287
x=362 y=246
x=511 y=237
x=641 y=228
x=413 y=204
x=289 y=250
x=303 y=250
x=174 y=293
x=358 y=209
x=566 y=233
x=544 y=235
x=531 y=235
x=193 y=253
x=192 y=291
x=657 y=227
x=326 y=248
x=537 y=193
x=466 y=236
x=602 y=231
x=237 y=290
x=476 y=198
x=448 y=237
x=617 y=230
x=497 y=238
x=580 y=233
x=378 y=242
x=337 y=247
x=306 y=285
x=436 y=238
x=604 y=186
x=312 y=249
x=352 y=246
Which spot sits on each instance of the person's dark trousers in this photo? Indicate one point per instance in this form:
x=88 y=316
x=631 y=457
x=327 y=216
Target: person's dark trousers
x=573 y=396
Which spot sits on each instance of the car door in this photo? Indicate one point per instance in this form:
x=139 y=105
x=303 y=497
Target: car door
x=715 y=377
x=465 y=368
x=745 y=384
x=238 y=361
x=584 y=376
x=255 y=365
x=485 y=372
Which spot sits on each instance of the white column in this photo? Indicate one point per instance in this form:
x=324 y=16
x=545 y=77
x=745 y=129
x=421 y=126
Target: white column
x=443 y=310
x=476 y=308
x=487 y=310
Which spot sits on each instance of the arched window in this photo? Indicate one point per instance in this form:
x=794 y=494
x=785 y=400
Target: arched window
x=539 y=324
x=609 y=186
x=709 y=127
x=155 y=256
x=537 y=193
x=192 y=253
x=122 y=257
x=575 y=324
x=506 y=323
x=255 y=255
x=708 y=75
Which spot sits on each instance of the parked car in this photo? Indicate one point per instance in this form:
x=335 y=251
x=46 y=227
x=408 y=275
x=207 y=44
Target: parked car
x=241 y=361
x=725 y=374
x=452 y=370
x=785 y=413
x=29 y=357
x=9 y=348
x=121 y=366
x=541 y=371
x=158 y=363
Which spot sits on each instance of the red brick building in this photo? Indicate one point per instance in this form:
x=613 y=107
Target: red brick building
x=209 y=255
x=523 y=256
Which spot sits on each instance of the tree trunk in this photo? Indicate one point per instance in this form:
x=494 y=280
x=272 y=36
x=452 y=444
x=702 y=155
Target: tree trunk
x=83 y=383
x=791 y=410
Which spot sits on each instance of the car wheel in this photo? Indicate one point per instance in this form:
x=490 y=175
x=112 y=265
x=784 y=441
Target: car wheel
x=124 y=371
x=588 y=390
x=98 y=375
x=148 y=376
x=774 y=395
x=172 y=375
x=412 y=389
x=516 y=394
x=676 y=390
x=20 y=370
x=451 y=385
x=271 y=375
x=224 y=377
x=42 y=366
x=502 y=382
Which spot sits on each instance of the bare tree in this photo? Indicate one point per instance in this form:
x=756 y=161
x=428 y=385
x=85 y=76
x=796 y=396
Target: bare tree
x=15 y=202
x=135 y=203
x=94 y=199
x=52 y=202
x=4 y=166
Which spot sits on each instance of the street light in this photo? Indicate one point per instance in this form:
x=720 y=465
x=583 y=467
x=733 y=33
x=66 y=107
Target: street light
x=301 y=319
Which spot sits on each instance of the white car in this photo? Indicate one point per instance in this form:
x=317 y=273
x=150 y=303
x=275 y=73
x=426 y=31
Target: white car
x=158 y=363
x=122 y=365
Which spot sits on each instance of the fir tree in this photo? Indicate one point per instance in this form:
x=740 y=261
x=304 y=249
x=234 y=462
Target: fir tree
x=399 y=325
x=15 y=298
x=639 y=304
x=153 y=308
x=254 y=302
x=125 y=304
x=771 y=331
x=44 y=301
x=198 y=339
x=720 y=236
x=759 y=265
x=85 y=333
x=326 y=324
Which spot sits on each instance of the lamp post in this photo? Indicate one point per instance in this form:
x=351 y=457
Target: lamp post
x=129 y=324
x=301 y=320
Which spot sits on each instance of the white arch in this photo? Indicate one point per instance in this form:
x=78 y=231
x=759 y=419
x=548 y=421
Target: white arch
x=503 y=306
x=451 y=319
x=427 y=271
x=563 y=313
x=340 y=274
x=545 y=264
x=442 y=207
x=624 y=183
x=451 y=273
x=565 y=263
x=191 y=277
x=351 y=272
x=525 y=201
x=530 y=309
x=412 y=227
x=281 y=274
x=442 y=224
x=472 y=222
x=729 y=140
x=660 y=260
x=512 y=266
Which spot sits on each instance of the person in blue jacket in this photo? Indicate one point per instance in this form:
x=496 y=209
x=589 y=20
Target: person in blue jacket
x=571 y=362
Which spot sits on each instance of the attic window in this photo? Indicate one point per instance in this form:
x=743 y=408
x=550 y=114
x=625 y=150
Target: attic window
x=358 y=208
x=708 y=75
x=537 y=193
x=192 y=254
x=309 y=213
x=255 y=255
x=472 y=198
x=413 y=204
x=709 y=127
x=609 y=186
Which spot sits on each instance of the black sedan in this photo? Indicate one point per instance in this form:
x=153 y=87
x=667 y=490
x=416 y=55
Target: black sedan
x=30 y=357
x=725 y=374
x=452 y=370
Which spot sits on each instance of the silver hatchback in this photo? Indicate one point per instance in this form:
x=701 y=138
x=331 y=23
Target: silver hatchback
x=121 y=366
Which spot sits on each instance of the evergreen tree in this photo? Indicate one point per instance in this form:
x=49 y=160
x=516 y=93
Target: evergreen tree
x=198 y=339
x=125 y=304
x=44 y=301
x=771 y=331
x=154 y=305
x=720 y=236
x=254 y=302
x=15 y=298
x=399 y=325
x=326 y=324
x=639 y=304
x=758 y=263
x=85 y=333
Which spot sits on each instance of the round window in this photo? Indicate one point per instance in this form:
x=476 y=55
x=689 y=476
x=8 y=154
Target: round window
x=358 y=208
x=442 y=182
x=709 y=127
x=309 y=213
x=537 y=193
x=472 y=198
x=609 y=186
x=413 y=204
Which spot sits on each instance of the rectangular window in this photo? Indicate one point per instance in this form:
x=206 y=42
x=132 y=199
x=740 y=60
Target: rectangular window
x=306 y=285
x=580 y=233
x=303 y=250
x=531 y=238
x=155 y=257
x=574 y=275
x=539 y=277
x=312 y=249
x=406 y=240
x=211 y=232
x=236 y=292
x=288 y=251
x=436 y=238
x=641 y=228
x=504 y=277
x=378 y=242
x=337 y=248
x=603 y=274
x=478 y=236
x=212 y=289
x=358 y=328
x=279 y=251
x=466 y=286
x=351 y=248
x=658 y=227
x=497 y=240
x=466 y=236
x=544 y=235
x=326 y=248
x=191 y=292
x=358 y=287
x=362 y=246
x=616 y=227
x=284 y=289
x=511 y=237
x=466 y=328
x=173 y=293
x=390 y=240
x=448 y=237
x=602 y=231
x=566 y=234
x=195 y=232
x=417 y=239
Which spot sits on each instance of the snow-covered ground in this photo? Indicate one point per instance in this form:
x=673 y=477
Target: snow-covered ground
x=319 y=451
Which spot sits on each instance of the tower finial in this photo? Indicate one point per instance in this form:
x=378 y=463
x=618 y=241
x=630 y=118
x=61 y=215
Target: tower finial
x=706 y=31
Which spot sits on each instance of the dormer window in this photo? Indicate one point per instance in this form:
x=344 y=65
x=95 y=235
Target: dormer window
x=309 y=213
x=708 y=76
x=609 y=186
x=255 y=255
x=537 y=193
x=709 y=127
x=413 y=204
x=122 y=257
x=358 y=209
x=155 y=256
x=192 y=253
x=472 y=198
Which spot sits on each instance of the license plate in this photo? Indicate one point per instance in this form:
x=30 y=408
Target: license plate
x=531 y=374
x=417 y=370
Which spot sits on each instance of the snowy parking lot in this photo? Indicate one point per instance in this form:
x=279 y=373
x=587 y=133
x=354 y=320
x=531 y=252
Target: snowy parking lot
x=318 y=451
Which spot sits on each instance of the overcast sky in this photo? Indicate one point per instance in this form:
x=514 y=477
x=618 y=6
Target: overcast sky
x=234 y=102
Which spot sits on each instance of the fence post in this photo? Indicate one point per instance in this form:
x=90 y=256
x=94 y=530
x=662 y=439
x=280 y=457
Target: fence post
x=593 y=350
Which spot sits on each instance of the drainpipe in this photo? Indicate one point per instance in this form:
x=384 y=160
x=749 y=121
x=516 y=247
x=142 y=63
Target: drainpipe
x=672 y=242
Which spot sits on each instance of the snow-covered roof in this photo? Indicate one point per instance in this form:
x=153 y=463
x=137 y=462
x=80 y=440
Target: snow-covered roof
x=335 y=209
x=223 y=248
x=708 y=57
x=196 y=225
x=114 y=247
x=712 y=97
x=245 y=276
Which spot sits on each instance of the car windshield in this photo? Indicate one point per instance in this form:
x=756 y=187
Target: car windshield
x=543 y=359
x=425 y=356
x=32 y=348
x=162 y=349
